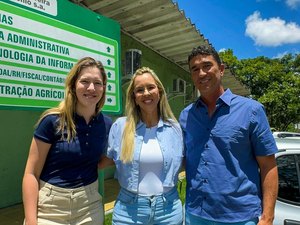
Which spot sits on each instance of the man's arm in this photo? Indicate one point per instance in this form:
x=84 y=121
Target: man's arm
x=269 y=184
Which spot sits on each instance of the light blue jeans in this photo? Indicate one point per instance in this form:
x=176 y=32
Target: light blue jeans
x=165 y=209
x=192 y=220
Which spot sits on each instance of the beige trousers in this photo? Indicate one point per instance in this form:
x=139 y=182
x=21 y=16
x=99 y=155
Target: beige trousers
x=75 y=206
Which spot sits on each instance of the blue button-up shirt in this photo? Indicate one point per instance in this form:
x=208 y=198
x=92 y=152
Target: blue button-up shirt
x=169 y=137
x=223 y=180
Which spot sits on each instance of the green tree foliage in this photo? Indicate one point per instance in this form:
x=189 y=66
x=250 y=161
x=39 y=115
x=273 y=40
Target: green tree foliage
x=273 y=82
x=228 y=58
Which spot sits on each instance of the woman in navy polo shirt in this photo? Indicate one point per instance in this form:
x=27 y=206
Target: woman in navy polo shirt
x=147 y=149
x=60 y=181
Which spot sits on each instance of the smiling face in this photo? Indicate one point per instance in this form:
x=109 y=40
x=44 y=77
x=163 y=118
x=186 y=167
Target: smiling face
x=146 y=94
x=89 y=89
x=206 y=75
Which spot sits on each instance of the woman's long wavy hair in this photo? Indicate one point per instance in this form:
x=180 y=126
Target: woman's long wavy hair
x=67 y=108
x=133 y=113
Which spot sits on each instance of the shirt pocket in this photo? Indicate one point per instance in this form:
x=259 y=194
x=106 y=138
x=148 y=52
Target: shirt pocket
x=231 y=137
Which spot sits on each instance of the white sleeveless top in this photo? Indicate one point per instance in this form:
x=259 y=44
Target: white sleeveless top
x=151 y=165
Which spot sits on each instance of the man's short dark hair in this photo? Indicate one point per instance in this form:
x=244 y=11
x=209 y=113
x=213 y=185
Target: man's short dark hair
x=205 y=50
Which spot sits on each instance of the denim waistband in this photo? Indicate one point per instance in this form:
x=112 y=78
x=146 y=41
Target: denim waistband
x=137 y=196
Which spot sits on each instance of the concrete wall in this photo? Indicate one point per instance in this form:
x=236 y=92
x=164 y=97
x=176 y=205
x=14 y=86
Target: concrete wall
x=17 y=125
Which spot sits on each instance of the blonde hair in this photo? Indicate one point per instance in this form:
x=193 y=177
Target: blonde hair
x=133 y=113
x=67 y=108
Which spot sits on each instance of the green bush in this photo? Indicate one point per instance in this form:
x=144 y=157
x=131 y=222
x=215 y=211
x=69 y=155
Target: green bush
x=181 y=189
x=108 y=219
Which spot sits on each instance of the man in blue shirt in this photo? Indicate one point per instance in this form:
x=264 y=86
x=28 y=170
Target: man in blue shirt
x=230 y=165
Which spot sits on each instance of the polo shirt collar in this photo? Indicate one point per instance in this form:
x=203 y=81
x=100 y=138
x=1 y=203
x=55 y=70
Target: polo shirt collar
x=95 y=117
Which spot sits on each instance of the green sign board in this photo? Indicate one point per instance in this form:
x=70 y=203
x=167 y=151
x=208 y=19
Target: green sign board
x=42 y=40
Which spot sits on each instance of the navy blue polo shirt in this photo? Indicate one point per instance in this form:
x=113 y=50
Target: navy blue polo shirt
x=223 y=180
x=73 y=164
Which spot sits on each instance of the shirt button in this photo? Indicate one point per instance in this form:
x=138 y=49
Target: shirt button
x=87 y=134
x=86 y=143
x=90 y=126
